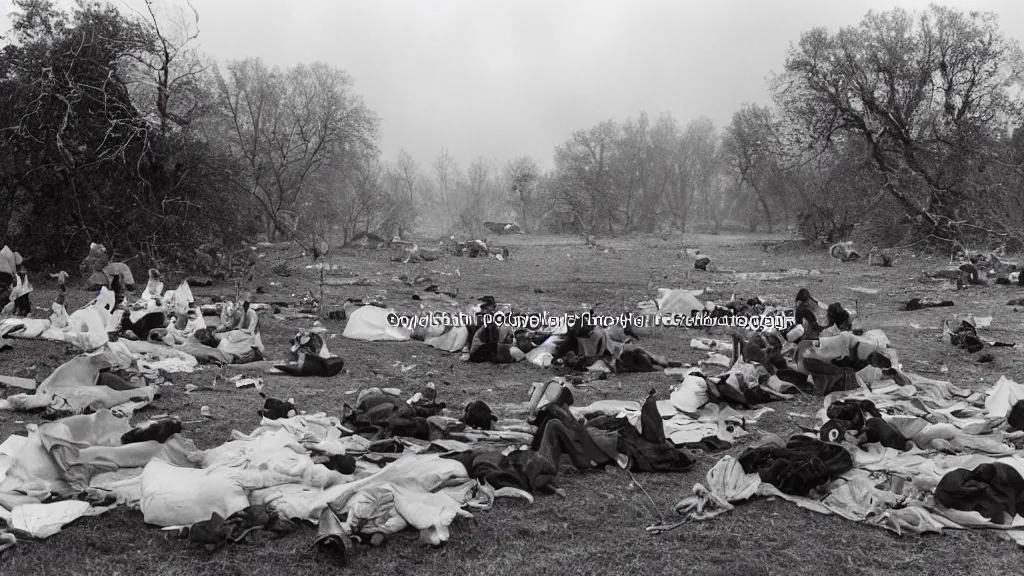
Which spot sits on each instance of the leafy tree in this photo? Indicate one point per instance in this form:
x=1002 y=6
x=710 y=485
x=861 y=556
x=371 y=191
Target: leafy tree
x=931 y=96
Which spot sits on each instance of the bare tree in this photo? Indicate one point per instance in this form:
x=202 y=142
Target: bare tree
x=630 y=168
x=446 y=176
x=929 y=95
x=748 y=149
x=584 y=183
x=522 y=176
x=404 y=180
x=167 y=84
x=285 y=125
x=701 y=160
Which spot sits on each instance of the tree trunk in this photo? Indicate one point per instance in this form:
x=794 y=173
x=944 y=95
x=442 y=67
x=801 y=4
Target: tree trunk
x=764 y=206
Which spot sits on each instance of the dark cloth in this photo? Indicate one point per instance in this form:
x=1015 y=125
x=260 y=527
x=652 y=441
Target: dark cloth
x=922 y=303
x=556 y=439
x=740 y=394
x=493 y=467
x=313 y=365
x=159 y=431
x=852 y=413
x=880 y=431
x=966 y=337
x=22 y=306
x=341 y=463
x=805 y=316
x=559 y=433
x=994 y=490
x=793 y=377
x=144 y=325
x=1016 y=416
x=709 y=444
x=492 y=343
x=218 y=531
x=838 y=316
x=382 y=416
x=114 y=381
x=478 y=415
x=650 y=450
x=274 y=409
x=803 y=465
x=636 y=359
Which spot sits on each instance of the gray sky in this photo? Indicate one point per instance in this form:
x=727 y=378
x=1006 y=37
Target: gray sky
x=506 y=78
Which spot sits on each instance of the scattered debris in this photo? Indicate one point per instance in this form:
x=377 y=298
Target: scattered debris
x=503 y=228
x=878 y=258
x=367 y=240
x=965 y=336
x=922 y=303
x=844 y=252
x=274 y=409
x=352 y=281
x=981 y=321
x=863 y=290
x=783 y=275
x=702 y=263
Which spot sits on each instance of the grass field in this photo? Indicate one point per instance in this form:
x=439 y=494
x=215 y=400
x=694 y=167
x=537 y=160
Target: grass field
x=599 y=528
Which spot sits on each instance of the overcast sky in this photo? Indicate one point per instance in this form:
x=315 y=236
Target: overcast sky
x=516 y=77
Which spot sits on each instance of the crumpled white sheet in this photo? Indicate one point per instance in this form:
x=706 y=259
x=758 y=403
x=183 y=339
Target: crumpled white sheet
x=73 y=387
x=178 y=495
x=1003 y=396
x=690 y=394
x=681 y=427
x=890 y=488
x=152 y=357
x=453 y=339
x=60 y=457
x=44 y=520
x=269 y=466
x=669 y=301
x=171 y=302
x=728 y=485
x=371 y=323
x=426 y=492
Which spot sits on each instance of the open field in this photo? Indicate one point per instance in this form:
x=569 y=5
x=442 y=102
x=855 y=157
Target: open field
x=599 y=528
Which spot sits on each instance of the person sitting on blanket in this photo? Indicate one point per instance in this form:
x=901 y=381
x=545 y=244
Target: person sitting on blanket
x=239 y=333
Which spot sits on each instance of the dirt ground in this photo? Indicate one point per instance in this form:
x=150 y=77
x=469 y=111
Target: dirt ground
x=599 y=528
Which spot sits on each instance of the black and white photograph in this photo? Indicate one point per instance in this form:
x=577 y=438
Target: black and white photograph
x=505 y=287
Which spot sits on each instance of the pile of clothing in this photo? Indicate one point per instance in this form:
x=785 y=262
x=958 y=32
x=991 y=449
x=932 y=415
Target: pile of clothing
x=581 y=345
x=912 y=456
x=123 y=376
x=165 y=323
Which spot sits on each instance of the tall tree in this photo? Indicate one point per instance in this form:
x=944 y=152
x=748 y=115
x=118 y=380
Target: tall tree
x=523 y=177
x=930 y=95
x=584 y=180
x=748 y=148
x=83 y=148
x=446 y=177
x=284 y=125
